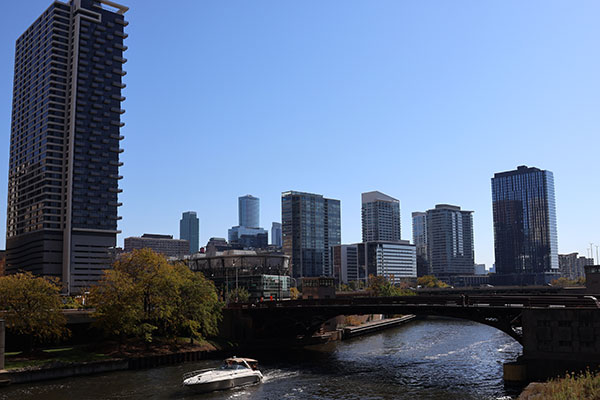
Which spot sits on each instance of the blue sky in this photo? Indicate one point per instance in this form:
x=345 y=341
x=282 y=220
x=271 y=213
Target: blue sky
x=423 y=101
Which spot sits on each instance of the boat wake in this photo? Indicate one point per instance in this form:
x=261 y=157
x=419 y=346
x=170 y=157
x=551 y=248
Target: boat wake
x=277 y=374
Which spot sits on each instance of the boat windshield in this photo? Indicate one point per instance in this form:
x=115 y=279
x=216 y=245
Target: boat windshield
x=232 y=366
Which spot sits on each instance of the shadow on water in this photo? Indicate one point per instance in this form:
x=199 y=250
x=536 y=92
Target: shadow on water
x=428 y=359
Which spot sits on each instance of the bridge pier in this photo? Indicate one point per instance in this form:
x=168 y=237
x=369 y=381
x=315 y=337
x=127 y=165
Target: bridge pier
x=556 y=341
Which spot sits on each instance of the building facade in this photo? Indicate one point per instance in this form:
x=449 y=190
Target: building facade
x=249 y=211
x=394 y=260
x=419 y=233
x=572 y=266
x=256 y=238
x=276 y=239
x=525 y=234
x=64 y=146
x=263 y=274
x=450 y=247
x=189 y=229
x=163 y=244
x=310 y=226
x=380 y=217
x=346 y=267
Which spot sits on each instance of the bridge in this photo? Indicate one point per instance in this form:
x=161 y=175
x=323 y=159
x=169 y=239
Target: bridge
x=557 y=332
x=301 y=318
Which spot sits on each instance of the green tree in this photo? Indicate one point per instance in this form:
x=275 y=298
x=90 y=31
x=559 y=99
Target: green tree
x=430 y=281
x=238 y=295
x=144 y=296
x=32 y=307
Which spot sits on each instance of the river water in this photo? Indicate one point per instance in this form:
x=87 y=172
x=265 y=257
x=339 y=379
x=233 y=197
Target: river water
x=427 y=359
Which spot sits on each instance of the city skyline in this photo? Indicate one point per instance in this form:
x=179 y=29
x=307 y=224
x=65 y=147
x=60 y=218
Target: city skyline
x=533 y=85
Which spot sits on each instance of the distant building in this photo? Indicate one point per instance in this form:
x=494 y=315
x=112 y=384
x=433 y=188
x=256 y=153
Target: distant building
x=256 y=238
x=450 y=247
x=380 y=217
x=480 y=269
x=189 y=229
x=163 y=244
x=249 y=211
x=419 y=231
x=394 y=260
x=263 y=274
x=310 y=226
x=525 y=234
x=248 y=234
x=572 y=265
x=216 y=244
x=346 y=266
x=276 y=239
x=355 y=262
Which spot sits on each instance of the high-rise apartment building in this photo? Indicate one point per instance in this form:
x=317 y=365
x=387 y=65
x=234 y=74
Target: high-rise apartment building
x=572 y=266
x=311 y=225
x=189 y=229
x=249 y=211
x=525 y=235
x=380 y=217
x=450 y=247
x=64 y=146
x=419 y=233
x=276 y=239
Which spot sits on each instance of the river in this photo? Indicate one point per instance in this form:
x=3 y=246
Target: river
x=427 y=359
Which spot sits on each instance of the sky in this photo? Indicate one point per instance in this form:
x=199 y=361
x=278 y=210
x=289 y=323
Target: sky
x=421 y=100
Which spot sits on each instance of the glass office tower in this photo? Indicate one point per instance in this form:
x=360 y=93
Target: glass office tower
x=64 y=146
x=311 y=225
x=249 y=211
x=189 y=229
x=525 y=234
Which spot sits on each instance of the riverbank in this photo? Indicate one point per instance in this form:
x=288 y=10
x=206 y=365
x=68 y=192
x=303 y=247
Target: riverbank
x=127 y=358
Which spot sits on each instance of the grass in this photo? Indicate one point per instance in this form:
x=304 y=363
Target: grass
x=50 y=356
x=583 y=386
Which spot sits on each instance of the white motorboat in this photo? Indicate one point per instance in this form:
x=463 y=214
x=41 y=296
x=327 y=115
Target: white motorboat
x=234 y=372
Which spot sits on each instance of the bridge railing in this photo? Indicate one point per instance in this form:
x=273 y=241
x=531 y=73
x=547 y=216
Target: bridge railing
x=518 y=301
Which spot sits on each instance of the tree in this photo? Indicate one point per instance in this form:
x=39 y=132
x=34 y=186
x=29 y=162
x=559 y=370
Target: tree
x=238 y=295
x=294 y=293
x=143 y=296
x=430 y=281
x=380 y=286
x=32 y=307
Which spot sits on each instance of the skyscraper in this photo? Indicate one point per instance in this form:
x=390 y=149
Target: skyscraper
x=310 y=225
x=249 y=211
x=64 y=147
x=189 y=229
x=419 y=233
x=380 y=217
x=276 y=234
x=525 y=236
x=450 y=248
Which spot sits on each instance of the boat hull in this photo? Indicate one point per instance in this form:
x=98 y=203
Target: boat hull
x=224 y=384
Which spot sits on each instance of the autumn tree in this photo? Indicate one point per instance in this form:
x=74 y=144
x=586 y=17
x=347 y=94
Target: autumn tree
x=430 y=281
x=380 y=286
x=294 y=293
x=31 y=306
x=144 y=296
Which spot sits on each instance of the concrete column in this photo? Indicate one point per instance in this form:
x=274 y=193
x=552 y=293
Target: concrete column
x=2 y=325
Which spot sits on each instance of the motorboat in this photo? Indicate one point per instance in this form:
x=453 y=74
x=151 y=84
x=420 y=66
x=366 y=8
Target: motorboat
x=234 y=372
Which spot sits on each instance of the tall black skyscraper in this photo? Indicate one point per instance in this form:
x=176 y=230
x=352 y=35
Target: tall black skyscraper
x=310 y=226
x=64 y=146
x=525 y=237
x=189 y=229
